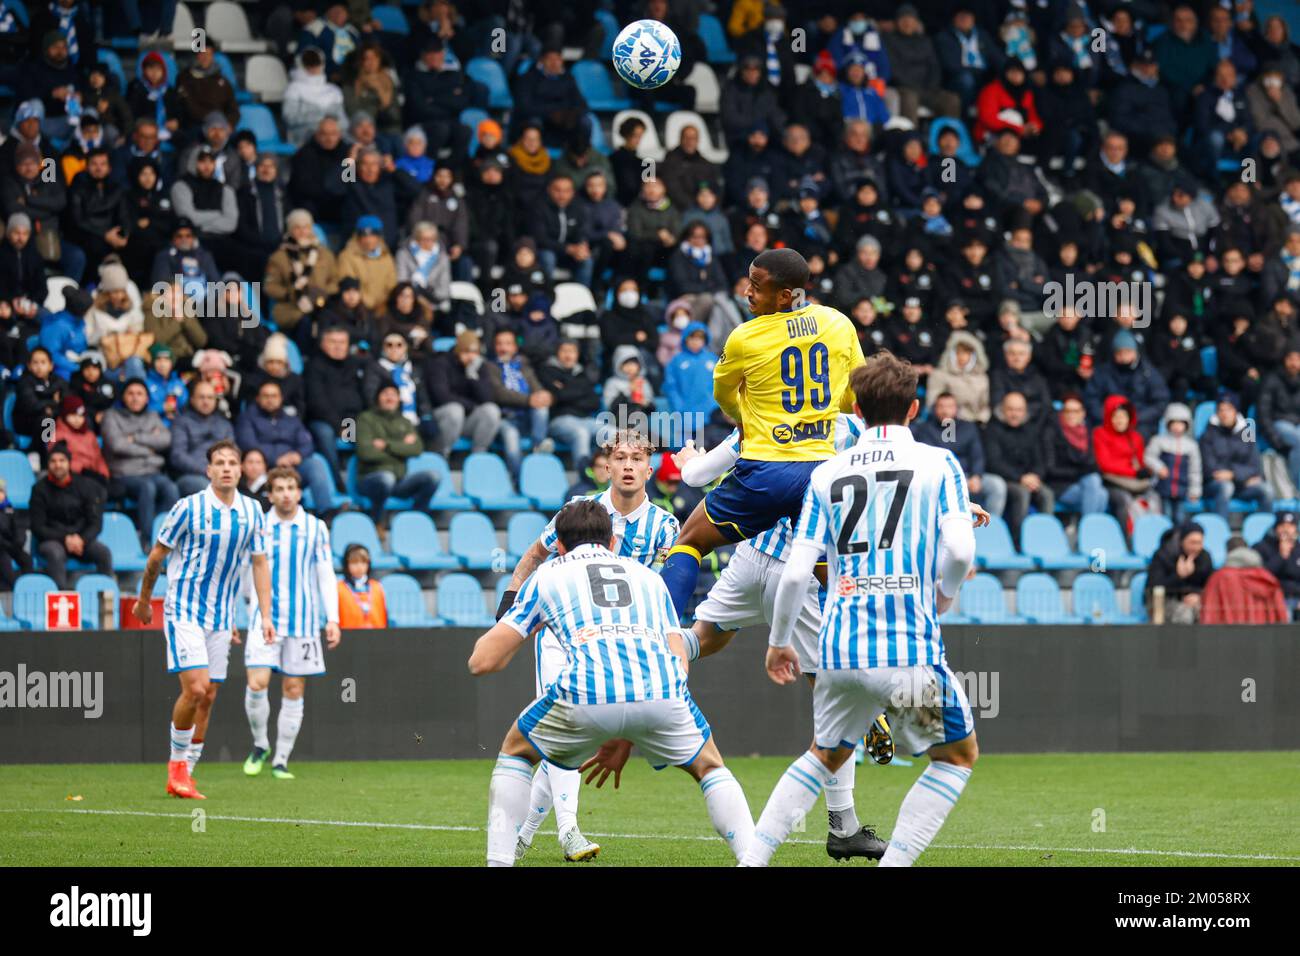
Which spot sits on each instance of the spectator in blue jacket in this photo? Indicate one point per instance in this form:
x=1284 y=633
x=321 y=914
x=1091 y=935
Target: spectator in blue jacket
x=284 y=440
x=857 y=98
x=1128 y=375
x=1230 y=459
x=688 y=380
x=167 y=391
x=63 y=333
x=194 y=431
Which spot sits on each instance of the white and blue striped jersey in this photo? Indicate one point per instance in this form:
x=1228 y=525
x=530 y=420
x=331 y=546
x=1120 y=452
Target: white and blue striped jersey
x=612 y=616
x=775 y=541
x=877 y=509
x=304 y=591
x=645 y=535
x=210 y=543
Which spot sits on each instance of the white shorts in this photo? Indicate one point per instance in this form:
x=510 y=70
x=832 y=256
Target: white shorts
x=925 y=705
x=565 y=734
x=745 y=596
x=551 y=659
x=292 y=656
x=190 y=646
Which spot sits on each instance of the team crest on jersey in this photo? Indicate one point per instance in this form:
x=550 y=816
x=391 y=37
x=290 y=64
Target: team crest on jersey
x=661 y=555
x=784 y=434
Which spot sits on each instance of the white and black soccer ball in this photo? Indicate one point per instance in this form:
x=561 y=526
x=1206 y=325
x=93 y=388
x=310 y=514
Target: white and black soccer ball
x=646 y=54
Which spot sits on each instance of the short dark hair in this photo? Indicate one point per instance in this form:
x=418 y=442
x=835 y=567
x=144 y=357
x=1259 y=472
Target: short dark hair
x=225 y=444
x=283 y=472
x=629 y=126
x=884 y=387
x=352 y=551
x=788 y=269
x=583 y=522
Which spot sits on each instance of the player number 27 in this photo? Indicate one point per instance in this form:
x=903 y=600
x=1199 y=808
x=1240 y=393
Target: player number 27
x=861 y=495
x=819 y=374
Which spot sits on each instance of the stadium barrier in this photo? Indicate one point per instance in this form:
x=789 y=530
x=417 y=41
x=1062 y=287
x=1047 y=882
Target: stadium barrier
x=405 y=694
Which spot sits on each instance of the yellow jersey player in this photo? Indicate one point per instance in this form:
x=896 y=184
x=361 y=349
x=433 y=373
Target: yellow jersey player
x=783 y=377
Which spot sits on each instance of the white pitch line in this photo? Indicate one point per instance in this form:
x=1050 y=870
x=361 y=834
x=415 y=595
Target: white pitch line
x=449 y=828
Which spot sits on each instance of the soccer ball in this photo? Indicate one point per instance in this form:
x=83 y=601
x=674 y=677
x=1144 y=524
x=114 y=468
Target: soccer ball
x=647 y=54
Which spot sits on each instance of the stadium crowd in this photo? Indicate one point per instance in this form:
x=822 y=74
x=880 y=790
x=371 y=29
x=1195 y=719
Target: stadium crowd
x=943 y=167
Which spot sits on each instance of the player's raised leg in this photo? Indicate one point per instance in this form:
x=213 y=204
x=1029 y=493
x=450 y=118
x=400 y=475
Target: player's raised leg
x=257 y=706
x=931 y=799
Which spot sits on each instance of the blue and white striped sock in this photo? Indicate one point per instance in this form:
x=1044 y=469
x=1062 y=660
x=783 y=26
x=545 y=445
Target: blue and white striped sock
x=795 y=794
x=728 y=809
x=512 y=779
x=924 y=809
x=181 y=742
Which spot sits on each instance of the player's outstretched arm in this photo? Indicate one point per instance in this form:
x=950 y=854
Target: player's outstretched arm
x=493 y=651
x=701 y=467
x=782 y=662
x=143 y=609
x=262 y=585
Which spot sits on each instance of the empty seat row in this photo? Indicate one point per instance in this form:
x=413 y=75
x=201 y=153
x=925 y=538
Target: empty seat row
x=1039 y=601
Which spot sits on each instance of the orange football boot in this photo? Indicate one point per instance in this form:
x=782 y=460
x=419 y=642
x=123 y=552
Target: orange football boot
x=179 y=783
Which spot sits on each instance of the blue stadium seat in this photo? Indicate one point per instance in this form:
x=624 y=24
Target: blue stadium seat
x=1147 y=532
x=610 y=27
x=1042 y=537
x=598 y=88
x=114 y=63
x=488 y=72
x=715 y=40
x=965 y=149
x=391 y=20
x=1210 y=361
x=473 y=540
x=1256 y=526
x=1216 y=536
x=1094 y=600
x=11 y=399
x=995 y=550
x=89 y=587
x=29 y=599
x=259 y=121
x=522 y=530
x=981 y=600
x=1137 y=607
x=542 y=479
x=1038 y=598
x=488 y=485
x=1100 y=536
x=8 y=623
x=20 y=13
x=158 y=522
x=415 y=542
x=16 y=470
x=228 y=71
x=405 y=602
x=353 y=527
x=120 y=537
x=338 y=500
x=446 y=498
x=460 y=602
x=503 y=585
x=598 y=141
x=1201 y=418
x=469 y=118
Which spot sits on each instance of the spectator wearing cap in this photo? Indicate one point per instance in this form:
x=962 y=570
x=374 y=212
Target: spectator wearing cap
x=208 y=203
x=817 y=102
x=66 y=513
x=184 y=260
x=755 y=161
x=1070 y=132
x=152 y=96
x=168 y=393
x=115 y=324
x=490 y=205
x=1182 y=567
x=1066 y=354
x=263 y=206
x=859 y=97
x=334 y=382
x=386 y=441
x=424 y=262
x=198 y=426
x=915 y=338
x=273 y=364
x=136 y=442
x=300 y=275
x=310 y=98
x=94 y=388
x=1231 y=461
x=24 y=190
x=74 y=430
x=675 y=496
x=1141 y=107
x=462 y=396
x=968 y=55
x=864 y=215
x=315 y=181
x=376 y=192
x=1279 y=408
x=1281 y=557
x=684 y=169
x=97 y=210
x=653 y=227
x=436 y=93
x=547 y=94
x=366 y=258
x=63 y=333
x=772 y=45
x=89 y=133
x=22 y=270
x=560 y=226
x=914 y=67
x=1223 y=123
x=441 y=203
x=747 y=98
x=203 y=90
x=1129 y=375
x=26 y=131
x=283 y=437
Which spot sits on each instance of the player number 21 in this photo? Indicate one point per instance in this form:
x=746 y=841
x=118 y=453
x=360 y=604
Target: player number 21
x=819 y=374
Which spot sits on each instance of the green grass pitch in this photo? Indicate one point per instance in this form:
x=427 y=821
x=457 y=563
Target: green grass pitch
x=1026 y=810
